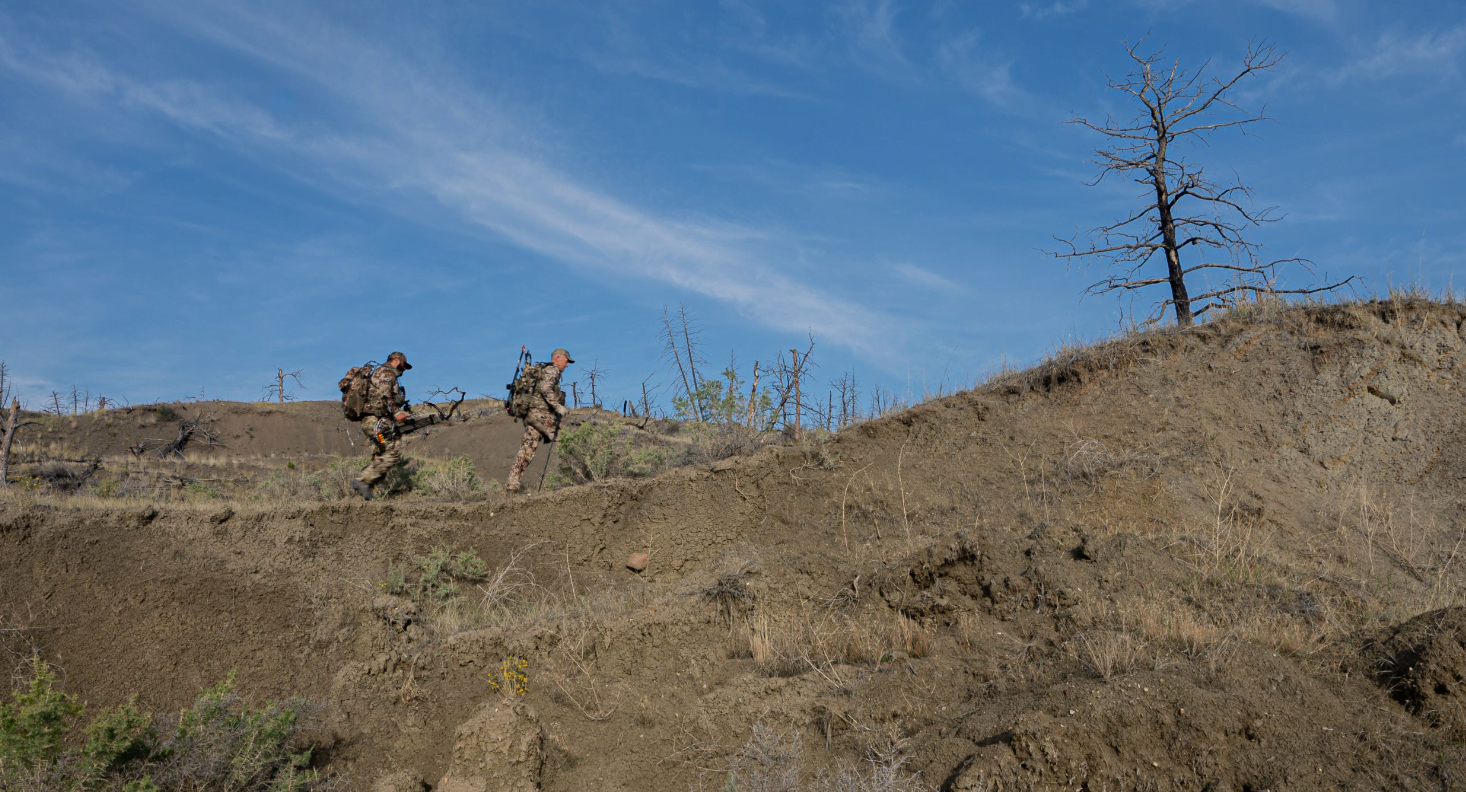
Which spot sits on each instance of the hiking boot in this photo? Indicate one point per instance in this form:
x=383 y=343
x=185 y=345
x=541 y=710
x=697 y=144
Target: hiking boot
x=362 y=488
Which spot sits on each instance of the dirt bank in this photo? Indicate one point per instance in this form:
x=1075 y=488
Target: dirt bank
x=1176 y=560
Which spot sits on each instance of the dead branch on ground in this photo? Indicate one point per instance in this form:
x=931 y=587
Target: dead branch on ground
x=447 y=395
x=202 y=427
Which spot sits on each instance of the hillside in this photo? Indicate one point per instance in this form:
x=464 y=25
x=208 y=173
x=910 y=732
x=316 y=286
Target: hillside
x=1229 y=557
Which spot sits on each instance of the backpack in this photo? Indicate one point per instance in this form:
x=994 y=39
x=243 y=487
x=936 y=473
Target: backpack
x=356 y=388
x=522 y=395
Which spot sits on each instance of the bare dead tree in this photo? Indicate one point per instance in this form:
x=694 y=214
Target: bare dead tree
x=646 y=403
x=276 y=390
x=685 y=356
x=56 y=408
x=849 y=389
x=10 y=426
x=788 y=383
x=6 y=386
x=1182 y=209
x=593 y=375
x=882 y=401
x=752 y=396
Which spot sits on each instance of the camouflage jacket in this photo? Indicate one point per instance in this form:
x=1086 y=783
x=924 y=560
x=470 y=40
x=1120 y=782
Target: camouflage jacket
x=547 y=386
x=386 y=397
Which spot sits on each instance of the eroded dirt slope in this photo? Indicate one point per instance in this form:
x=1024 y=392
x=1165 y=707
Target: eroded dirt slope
x=1179 y=560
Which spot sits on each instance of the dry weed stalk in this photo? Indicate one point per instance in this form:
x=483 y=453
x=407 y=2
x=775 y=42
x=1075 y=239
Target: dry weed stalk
x=568 y=669
x=901 y=482
x=845 y=537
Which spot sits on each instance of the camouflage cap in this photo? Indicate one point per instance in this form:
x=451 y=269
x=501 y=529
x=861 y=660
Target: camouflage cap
x=401 y=357
x=561 y=351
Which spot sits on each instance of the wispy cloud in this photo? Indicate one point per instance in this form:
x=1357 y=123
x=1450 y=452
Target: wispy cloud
x=1436 y=53
x=186 y=103
x=1054 y=9
x=825 y=182
x=870 y=28
x=624 y=50
x=418 y=137
x=709 y=75
x=1321 y=10
x=926 y=279
x=41 y=167
x=978 y=70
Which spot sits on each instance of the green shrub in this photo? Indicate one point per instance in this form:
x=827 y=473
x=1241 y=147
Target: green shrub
x=119 y=735
x=405 y=476
x=595 y=451
x=722 y=402
x=457 y=479
x=396 y=582
x=216 y=744
x=33 y=725
x=201 y=491
x=109 y=487
x=333 y=482
x=592 y=450
x=439 y=574
x=647 y=461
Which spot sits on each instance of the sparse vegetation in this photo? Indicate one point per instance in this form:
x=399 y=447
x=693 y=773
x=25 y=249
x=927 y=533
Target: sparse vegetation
x=437 y=576
x=218 y=743
x=774 y=761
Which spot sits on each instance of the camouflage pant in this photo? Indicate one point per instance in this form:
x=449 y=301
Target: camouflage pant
x=386 y=450
x=536 y=425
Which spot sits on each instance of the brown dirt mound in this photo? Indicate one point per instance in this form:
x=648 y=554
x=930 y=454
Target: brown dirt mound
x=1423 y=664
x=1020 y=586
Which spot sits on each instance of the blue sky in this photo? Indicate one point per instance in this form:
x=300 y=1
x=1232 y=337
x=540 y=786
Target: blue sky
x=194 y=193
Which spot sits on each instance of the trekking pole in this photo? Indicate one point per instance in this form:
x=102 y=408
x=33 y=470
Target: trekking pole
x=548 y=458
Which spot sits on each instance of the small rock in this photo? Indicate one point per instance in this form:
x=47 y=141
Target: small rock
x=638 y=561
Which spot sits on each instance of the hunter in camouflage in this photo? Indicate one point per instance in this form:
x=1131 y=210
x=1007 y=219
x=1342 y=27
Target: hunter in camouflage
x=386 y=408
x=542 y=422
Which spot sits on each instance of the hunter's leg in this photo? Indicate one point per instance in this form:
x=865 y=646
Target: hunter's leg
x=527 y=447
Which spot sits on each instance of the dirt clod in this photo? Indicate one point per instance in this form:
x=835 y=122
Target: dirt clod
x=500 y=749
x=1422 y=663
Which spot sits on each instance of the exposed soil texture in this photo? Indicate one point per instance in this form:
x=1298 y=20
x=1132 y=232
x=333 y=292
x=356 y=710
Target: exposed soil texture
x=1227 y=558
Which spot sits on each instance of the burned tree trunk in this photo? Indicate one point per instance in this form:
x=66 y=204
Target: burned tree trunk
x=5 y=443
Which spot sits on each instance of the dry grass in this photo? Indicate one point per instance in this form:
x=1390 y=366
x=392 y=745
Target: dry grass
x=807 y=637
x=1108 y=653
x=1088 y=460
